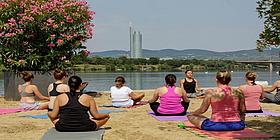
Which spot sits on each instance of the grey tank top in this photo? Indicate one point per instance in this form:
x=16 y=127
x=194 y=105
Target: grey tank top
x=24 y=93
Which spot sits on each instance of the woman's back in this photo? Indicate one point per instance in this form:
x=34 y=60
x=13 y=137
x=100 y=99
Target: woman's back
x=74 y=114
x=170 y=101
x=225 y=105
x=26 y=93
x=252 y=94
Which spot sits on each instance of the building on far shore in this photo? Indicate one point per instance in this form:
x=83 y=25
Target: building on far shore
x=135 y=42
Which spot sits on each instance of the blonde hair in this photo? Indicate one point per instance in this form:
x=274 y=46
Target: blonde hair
x=223 y=76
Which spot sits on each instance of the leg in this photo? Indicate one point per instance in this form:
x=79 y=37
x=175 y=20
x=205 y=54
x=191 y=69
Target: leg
x=101 y=122
x=154 y=106
x=185 y=105
x=191 y=95
x=196 y=120
x=137 y=97
x=270 y=97
x=43 y=106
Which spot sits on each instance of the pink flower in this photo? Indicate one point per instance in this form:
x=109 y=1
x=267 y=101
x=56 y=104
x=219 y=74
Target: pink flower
x=52 y=36
x=10 y=34
x=59 y=42
x=69 y=19
x=50 y=20
x=55 y=26
x=85 y=53
x=51 y=45
x=69 y=37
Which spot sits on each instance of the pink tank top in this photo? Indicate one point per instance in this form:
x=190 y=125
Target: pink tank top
x=252 y=95
x=170 y=102
x=225 y=110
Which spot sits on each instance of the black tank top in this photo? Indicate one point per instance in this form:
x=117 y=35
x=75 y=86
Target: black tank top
x=54 y=91
x=190 y=86
x=74 y=117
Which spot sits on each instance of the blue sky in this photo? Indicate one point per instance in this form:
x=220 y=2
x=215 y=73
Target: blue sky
x=218 y=25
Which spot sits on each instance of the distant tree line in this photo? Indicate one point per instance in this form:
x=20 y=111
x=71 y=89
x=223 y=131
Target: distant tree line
x=157 y=64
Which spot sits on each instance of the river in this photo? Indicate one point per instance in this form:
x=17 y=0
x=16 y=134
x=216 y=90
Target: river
x=151 y=80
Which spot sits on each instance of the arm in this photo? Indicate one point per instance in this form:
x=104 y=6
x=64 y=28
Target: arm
x=93 y=110
x=155 y=96
x=270 y=89
x=53 y=115
x=242 y=107
x=184 y=96
x=38 y=93
x=197 y=87
x=19 y=88
x=182 y=84
x=205 y=104
x=262 y=94
x=50 y=87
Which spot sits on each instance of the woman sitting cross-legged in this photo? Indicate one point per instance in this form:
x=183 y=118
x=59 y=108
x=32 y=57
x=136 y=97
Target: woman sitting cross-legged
x=252 y=93
x=171 y=97
x=71 y=110
x=28 y=91
x=228 y=107
x=123 y=96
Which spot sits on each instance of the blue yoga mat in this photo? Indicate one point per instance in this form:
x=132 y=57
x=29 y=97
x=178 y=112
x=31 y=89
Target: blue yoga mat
x=41 y=116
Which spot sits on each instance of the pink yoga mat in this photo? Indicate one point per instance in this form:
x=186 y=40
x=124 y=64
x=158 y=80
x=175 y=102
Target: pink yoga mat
x=9 y=110
x=265 y=113
x=246 y=133
x=168 y=118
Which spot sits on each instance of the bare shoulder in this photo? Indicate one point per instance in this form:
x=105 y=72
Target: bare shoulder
x=63 y=88
x=241 y=87
x=278 y=83
x=182 y=80
x=86 y=97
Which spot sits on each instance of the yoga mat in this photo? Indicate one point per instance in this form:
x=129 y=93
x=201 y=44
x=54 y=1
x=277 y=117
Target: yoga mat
x=52 y=134
x=41 y=116
x=10 y=110
x=265 y=113
x=168 y=118
x=134 y=106
x=246 y=133
x=110 y=111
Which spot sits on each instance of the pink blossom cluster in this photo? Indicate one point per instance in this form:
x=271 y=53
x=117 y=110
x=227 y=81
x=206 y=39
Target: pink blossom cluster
x=43 y=28
x=70 y=17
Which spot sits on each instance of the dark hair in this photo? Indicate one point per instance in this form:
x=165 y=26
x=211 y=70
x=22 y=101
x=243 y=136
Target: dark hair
x=74 y=83
x=251 y=76
x=120 y=79
x=59 y=74
x=187 y=71
x=170 y=80
x=223 y=76
x=27 y=76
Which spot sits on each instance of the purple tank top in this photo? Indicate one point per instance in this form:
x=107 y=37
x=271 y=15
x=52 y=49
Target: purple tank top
x=170 y=102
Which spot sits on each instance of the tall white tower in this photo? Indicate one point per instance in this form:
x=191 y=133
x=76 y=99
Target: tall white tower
x=135 y=42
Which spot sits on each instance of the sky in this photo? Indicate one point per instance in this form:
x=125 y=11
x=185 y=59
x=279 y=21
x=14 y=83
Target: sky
x=217 y=25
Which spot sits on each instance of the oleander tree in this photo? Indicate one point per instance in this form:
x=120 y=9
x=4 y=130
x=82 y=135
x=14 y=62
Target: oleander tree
x=269 y=11
x=40 y=35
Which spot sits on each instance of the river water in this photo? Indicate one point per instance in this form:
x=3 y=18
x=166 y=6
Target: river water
x=152 y=80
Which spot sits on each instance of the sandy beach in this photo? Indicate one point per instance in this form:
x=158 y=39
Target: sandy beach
x=135 y=124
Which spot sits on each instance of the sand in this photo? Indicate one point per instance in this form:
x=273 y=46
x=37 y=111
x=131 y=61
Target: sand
x=134 y=124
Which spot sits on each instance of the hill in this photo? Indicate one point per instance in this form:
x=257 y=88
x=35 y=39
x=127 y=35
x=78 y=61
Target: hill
x=252 y=54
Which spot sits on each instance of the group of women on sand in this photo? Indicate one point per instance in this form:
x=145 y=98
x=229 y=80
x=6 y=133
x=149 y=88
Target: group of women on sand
x=229 y=105
x=69 y=109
